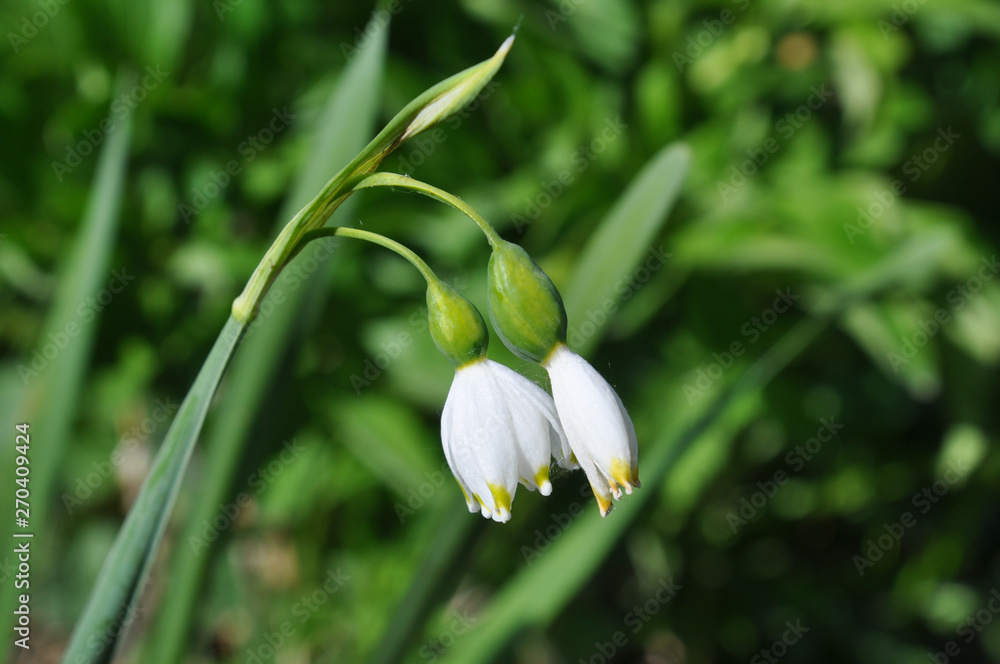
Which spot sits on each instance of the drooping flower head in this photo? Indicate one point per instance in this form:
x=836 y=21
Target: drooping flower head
x=497 y=427
x=530 y=319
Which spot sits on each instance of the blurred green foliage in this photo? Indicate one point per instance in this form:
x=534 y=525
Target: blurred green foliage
x=829 y=263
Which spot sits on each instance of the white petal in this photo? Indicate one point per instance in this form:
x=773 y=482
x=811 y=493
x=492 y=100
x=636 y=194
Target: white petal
x=461 y=464
x=598 y=429
x=475 y=431
x=633 y=446
x=534 y=422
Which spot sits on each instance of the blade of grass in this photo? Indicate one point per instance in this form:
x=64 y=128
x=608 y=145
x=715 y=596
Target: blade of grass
x=348 y=116
x=51 y=396
x=624 y=235
x=110 y=608
x=454 y=533
x=49 y=399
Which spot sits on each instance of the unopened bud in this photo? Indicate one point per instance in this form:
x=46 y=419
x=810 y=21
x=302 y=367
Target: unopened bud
x=525 y=306
x=457 y=327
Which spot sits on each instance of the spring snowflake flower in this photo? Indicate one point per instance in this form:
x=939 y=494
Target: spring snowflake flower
x=598 y=429
x=530 y=318
x=498 y=428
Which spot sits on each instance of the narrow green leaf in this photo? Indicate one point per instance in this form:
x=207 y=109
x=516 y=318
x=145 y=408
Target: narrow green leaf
x=50 y=395
x=110 y=608
x=624 y=238
x=348 y=116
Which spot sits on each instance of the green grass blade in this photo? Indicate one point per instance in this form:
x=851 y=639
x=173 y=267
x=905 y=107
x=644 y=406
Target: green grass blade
x=348 y=117
x=454 y=534
x=111 y=605
x=624 y=236
x=50 y=396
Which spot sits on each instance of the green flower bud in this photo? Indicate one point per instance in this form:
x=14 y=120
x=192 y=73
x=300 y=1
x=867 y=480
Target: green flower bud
x=457 y=327
x=525 y=306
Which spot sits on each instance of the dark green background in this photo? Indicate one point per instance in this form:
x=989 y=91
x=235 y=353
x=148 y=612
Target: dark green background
x=884 y=83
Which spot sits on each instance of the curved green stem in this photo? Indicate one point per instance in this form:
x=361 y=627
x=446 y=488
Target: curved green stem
x=302 y=229
x=404 y=182
x=432 y=107
x=374 y=238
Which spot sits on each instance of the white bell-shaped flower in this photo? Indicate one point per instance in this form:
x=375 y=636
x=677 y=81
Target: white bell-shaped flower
x=597 y=427
x=498 y=428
